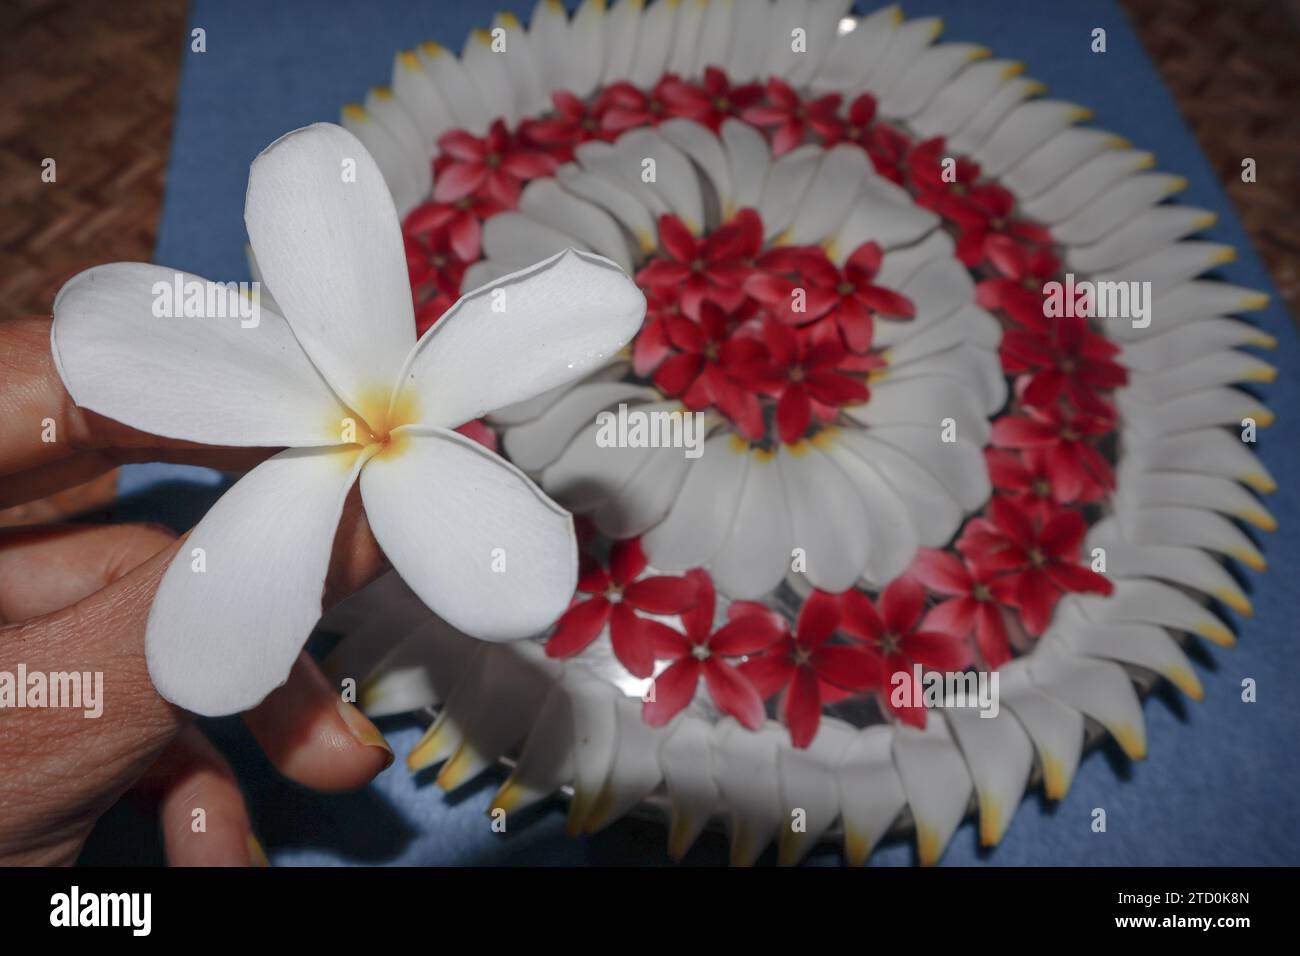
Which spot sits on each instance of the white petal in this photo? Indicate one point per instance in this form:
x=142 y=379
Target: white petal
x=676 y=183
x=1100 y=689
x=546 y=201
x=1055 y=729
x=1025 y=128
x=521 y=674
x=892 y=537
x=204 y=379
x=686 y=32
x=957 y=465
x=548 y=35
x=1138 y=601
x=1117 y=205
x=787 y=180
x=1142 y=235
x=714 y=36
x=1071 y=193
x=701 y=517
x=586 y=49
x=1055 y=159
x=420 y=672
x=827 y=519
x=926 y=401
x=957 y=102
x=454 y=83
x=594 y=705
x=470 y=533
x=991 y=112
x=1191 y=527
x=413 y=86
x=907 y=44
x=933 y=69
x=786 y=16
x=745 y=764
x=644 y=500
x=933 y=511
x=748 y=156
x=809 y=792
x=527 y=88
x=402 y=172
x=705 y=149
x=654 y=42
x=236 y=605
x=630 y=211
x=621 y=27
x=873 y=219
x=487 y=70
x=546 y=761
x=855 y=54
x=936 y=782
x=756 y=553
x=537 y=328
x=871 y=795
x=999 y=756
x=520 y=240
x=635 y=772
x=687 y=762
x=826 y=203
x=534 y=445
x=331 y=248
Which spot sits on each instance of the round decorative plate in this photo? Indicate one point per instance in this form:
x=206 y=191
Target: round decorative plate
x=927 y=454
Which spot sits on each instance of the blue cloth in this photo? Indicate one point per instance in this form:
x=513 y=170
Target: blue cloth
x=1220 y=784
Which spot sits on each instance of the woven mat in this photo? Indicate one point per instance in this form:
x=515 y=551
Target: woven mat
x=93 y=86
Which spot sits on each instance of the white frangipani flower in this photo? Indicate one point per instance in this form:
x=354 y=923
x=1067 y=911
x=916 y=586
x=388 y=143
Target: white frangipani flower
x=341 y=380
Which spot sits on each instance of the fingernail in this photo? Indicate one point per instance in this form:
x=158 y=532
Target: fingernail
x=256 y=855
x=364 y=731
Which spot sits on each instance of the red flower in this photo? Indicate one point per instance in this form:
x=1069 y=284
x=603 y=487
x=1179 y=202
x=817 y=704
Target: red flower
x=897 y=643
x=971 y=603
x=845 y=297
x=1019 y=290
x=1043 y=559
x=622 y=106
x=572 y=122
x=805 y=374
x=1024 y=477
x=885 y=146
x=791 y=118
x=494 y=166
x=810 y=670
x=435 y=273
x=617 y=595
x=710 y=102
x=1076 y=470
x=651 y=346
x=701 y=652
x=712 y=267
x=1068 y=358
x=479 y=431
x=713 y=368
x=462 y=220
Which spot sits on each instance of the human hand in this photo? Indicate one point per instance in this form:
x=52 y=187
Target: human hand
x=75 y=598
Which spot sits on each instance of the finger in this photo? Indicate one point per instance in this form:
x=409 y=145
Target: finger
x=83 y=765
x=40 y=425
x=201 y=810
x=314 y=737
x=49 y=567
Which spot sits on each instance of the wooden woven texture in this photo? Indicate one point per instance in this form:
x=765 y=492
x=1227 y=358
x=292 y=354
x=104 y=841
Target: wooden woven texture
x=1234 y=68
x=93 y=86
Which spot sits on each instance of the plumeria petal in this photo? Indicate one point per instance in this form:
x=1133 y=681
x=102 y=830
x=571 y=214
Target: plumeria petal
x=529 y=332
x=330 y=246
x=198 y=378
x=236 y=605
x=480 y=544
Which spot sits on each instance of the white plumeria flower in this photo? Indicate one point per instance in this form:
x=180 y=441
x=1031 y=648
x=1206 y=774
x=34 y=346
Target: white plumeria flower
x=471 y=534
